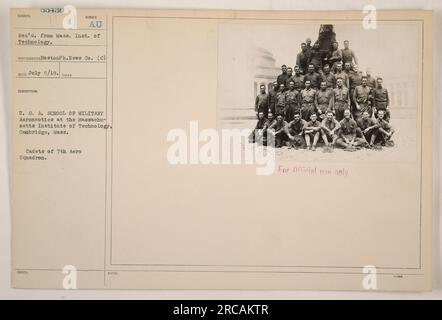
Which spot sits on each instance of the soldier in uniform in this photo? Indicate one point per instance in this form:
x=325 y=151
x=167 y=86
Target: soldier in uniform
x=341 y=99
x=347 y=133
x=298 y=79
x=348 y=69
x=312 y=131
x=315 y=57
x=303 y=58
x=368 y=127
x=308 y=43
x=282 y=78
x=381 y=100
x=289 y=78
x=262 y=101
x=371 y=81
x=385 y=130
x=328 y=77
x=295 y=131
x=307 y=101
x=272 y=97
x=362 y=96
x=323 y=100
x=340 y=73
x=270 y=119
x=336 y=56
x=348 y=55
x=355 y=79
x=313 y=76
x=280 y=101
x=308 y=47
x=277 y=129
x=259 y=133
x=291 y=102
x=329 y=129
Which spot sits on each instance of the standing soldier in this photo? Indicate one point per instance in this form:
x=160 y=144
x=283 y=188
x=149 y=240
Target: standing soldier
x=308 y=51
x=313 y=77
x=312 y=131
x=341 y=99
x=329 y=129
x=335 y=57
x=348 y=55
x=308 y=44
x=355 y=79
x=362 y=98
x=262 y=101
x=381 y=100
x=282 y=78
x=328 y=77
x=347 y=68
x=303 y=58
x=298 y=79
x=307 y=101
x=347 y=134
x=324 y=100
x=289 y=78
x=315 y=58
x=295 y=131
x=280 y=101
x=291 y=102
x=371 y=81
x=272 y=97
x=340 y=73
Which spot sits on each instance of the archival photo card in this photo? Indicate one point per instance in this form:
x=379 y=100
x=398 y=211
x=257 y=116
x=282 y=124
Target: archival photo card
x=251 y=150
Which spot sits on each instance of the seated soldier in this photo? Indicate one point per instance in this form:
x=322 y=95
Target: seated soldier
x=368 y=128
x=270 y=119
x=329 y=129
x=347 y=137
x=385 y=131
x=277 y=129
x=259 y=134
x=295 y=131
x=312 y=131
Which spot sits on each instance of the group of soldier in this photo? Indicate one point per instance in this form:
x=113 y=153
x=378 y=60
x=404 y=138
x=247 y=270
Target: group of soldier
x=325 y=98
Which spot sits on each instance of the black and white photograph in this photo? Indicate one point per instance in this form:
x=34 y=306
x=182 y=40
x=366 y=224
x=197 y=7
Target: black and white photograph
x=338 y=89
